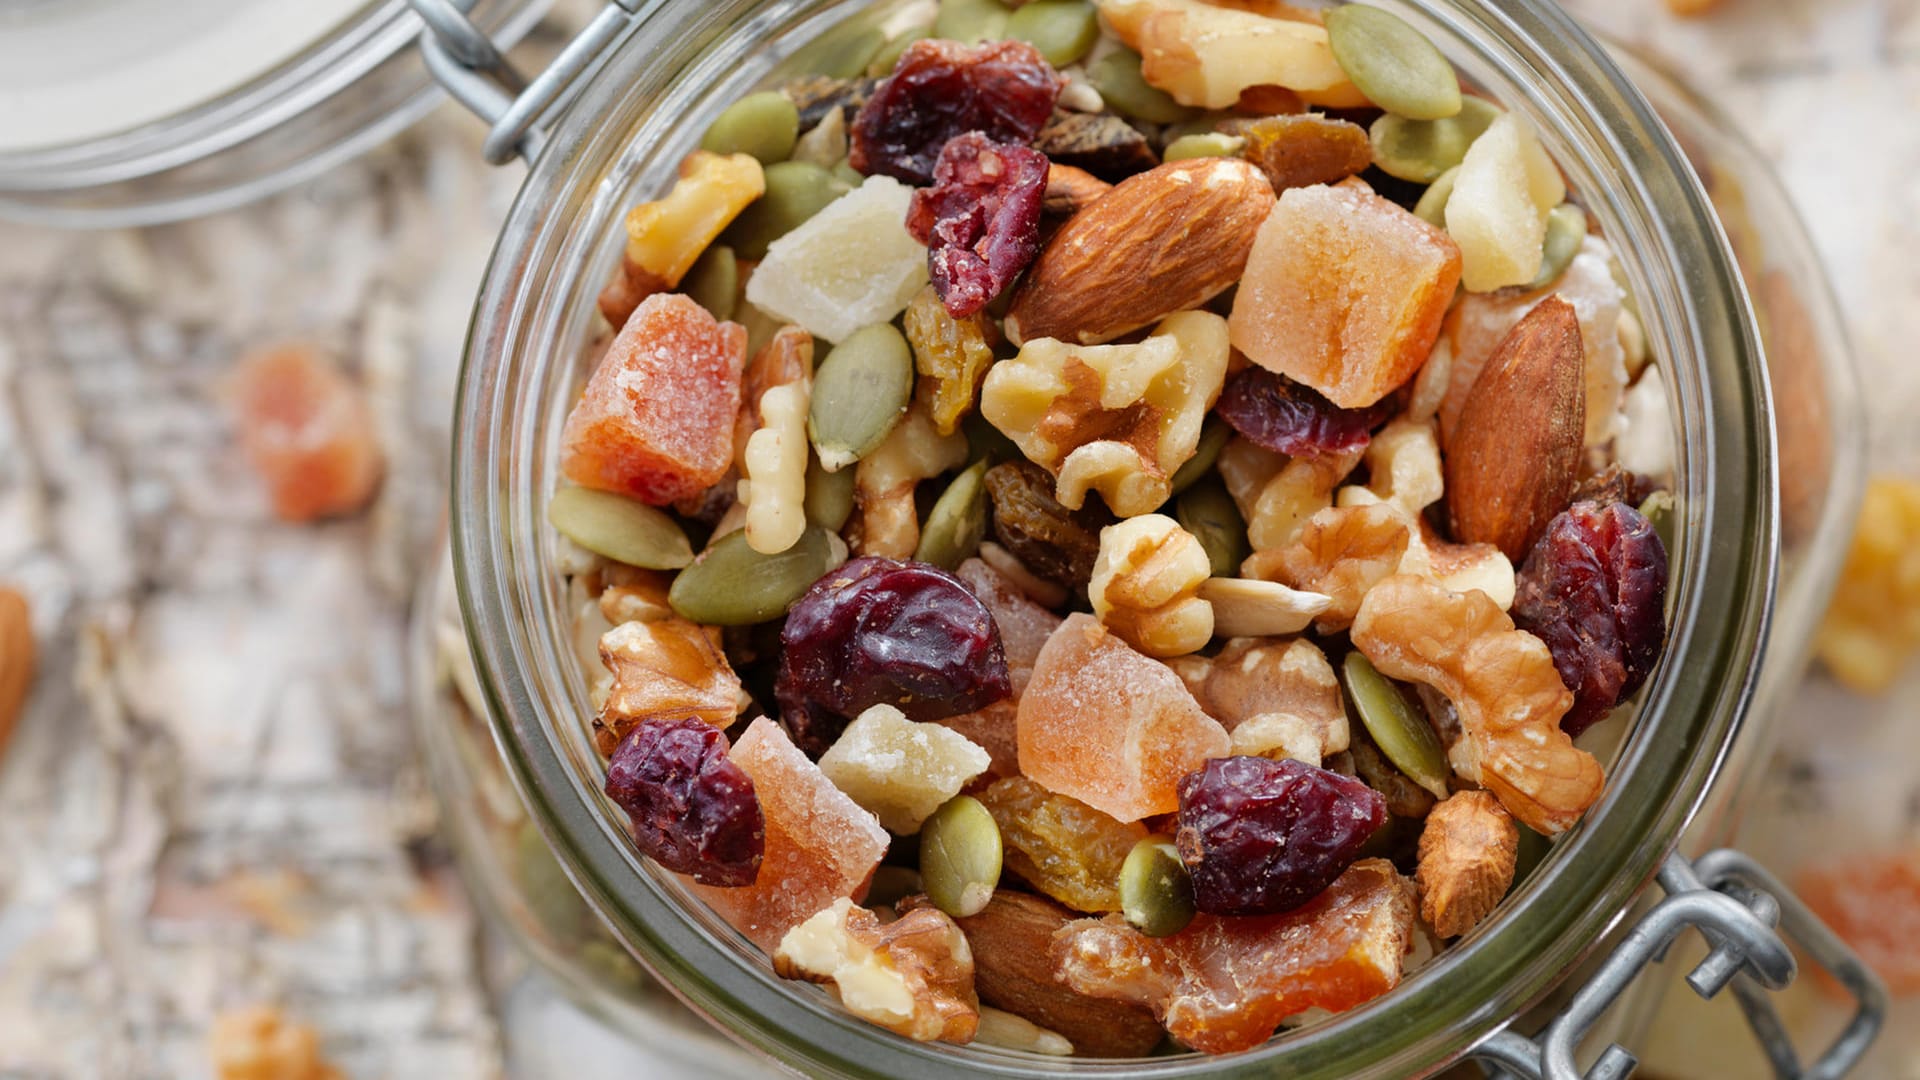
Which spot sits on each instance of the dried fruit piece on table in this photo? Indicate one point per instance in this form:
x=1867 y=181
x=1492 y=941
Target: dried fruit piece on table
x=1497 y=213
x=664 y=668
x=863 y=390
x=656 y=419
x=1207 y=55
x=899 y=769
x=307 y=430
x=18 y=659
x=665 y=237
x=1145 y=583
x=1101 y=143
x=912 y=976
x=952 y=356
x=960 y=856
x=1304 y=149
x=1024 y=625
x=1342 y=554
x=693 y=811
x=980 y=220
x=1163 y=241
x=259 y=1042
x=1873 y=625
x=1278 y=414
x=1060 y=845
x=885 y=480
x=1284 y=690
x=1053 y=542
x=1117 y=419
x=1004 y=90
x=1504 y=686
x=1106 y=725
x=1277 y=495
x=1262 y=836
x=851 y=265
x=1872 y=901
x=820 y=845
x=1467 y=855
x=1342 y=264
x=1225 y=984
x=1595 y=590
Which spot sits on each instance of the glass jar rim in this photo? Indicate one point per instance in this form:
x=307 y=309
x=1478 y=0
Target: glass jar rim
x=1699 y=324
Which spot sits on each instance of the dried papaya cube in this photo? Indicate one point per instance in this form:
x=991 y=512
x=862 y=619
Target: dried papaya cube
x=1024 y=625
x=1225 y=983
x=820 y=844
x=656 y=420
x=1110 y=727
x=1873 y=903
x=308 y=432
x=1344 y=291
x=1061 y=846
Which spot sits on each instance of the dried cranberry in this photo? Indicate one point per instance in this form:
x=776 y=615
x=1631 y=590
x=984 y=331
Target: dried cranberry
x=1004 y=90
x=877 y=631
x=1594 y=588
x=1263 y=836
x=693 y=811
x=1283 y=416
x=980 y=220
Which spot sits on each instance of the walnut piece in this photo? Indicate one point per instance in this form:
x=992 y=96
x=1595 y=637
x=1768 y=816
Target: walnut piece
x=913 y=976
x=1278 y=495
x=1275 y=698
x=1504 y=685
x=1208 y=55
x=260 y=1043
x=1403 y=466
x=883 y=482
x=1467 y=854
x=666 y=236
x=1145 y=586
x=1117 y=419
x=774 y=487
x=899 y=769
x=664 y=668
x=1343 y=552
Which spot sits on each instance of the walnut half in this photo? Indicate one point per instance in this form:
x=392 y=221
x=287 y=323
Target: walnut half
x=666 y=667
x=1467 y=855
x=913 y=976
x=1145 y=583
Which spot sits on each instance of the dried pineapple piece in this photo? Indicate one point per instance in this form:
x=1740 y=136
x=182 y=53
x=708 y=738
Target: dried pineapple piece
x=899 y=769
x=1506 y=187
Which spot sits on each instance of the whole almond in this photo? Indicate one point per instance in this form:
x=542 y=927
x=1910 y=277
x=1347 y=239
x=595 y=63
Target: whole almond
x=17 y=658
x=1162 y=241
x=1512 y=460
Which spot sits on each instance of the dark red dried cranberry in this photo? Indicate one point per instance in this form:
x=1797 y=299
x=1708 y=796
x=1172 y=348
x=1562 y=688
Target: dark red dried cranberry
x=1594 y=588
x=1263 y=836
x=980 y=220
x=693 y=811
x=1004 y=90
x=876 y=631
x=1283 y=416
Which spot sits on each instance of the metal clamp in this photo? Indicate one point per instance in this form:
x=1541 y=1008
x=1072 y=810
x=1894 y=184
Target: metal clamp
x=1737 y=905
x=473 y=69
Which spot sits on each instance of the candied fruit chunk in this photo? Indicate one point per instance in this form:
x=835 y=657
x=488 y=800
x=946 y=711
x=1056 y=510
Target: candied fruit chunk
x=1225 y=984
x=853 y=264
x=308 y=432
x=980 y=220
x=992 y=729
x=820 y=845
x=1208 y=55
x=1105 y=725
x=692 y=810
x=899 y=769
x=259 y=1042
x=1344 y=291
x=666 y=237
x=1061 y=846
x=1594 y=589
x=656 y=420
x=1873 y=626
x=1278 y=414
x=951 y=355
x=1506 y=187
x=1024 y=625
x=663 y=668
x=1262 y=836
x=939 y=89
x=1873 y=902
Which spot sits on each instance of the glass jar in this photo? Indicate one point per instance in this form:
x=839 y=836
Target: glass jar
x=1736 y=569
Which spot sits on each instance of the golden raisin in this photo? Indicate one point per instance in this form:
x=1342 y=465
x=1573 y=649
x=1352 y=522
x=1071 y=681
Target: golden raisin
x=1061 y=846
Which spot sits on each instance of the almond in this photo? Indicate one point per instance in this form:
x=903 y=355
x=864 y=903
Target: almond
x=1071 y=190
x=1163 y=241
x=1012 y=941
x=16 y=659
x=1513 y=456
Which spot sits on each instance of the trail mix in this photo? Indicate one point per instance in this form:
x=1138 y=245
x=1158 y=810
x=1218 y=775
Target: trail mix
x=1105 y=521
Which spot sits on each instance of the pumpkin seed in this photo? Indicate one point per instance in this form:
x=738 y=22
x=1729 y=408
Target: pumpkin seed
x=972 y=21
x=731 y=584
x=714 y=281
x=1208 y=144
x=829 y=499
x=609 y=964
x=1398 y=729
x=1156 y=894
x=889 y=55
x=1063 y=30
x=1533 y=850
x=1117 y=77
x=844 y=172
x=958 y=521
x=892 y=884
x=960 y=854
x=1566 y=230
x=1209 y=513
x=986 y=442
x=1420 y=150
x=859 y=393
x=796 y=190
x=1658 y=508
x=1213 y=438
x=1393 y=64
x=1432 y=207
x=843 y=54
x=625 y=530
x=764 y=125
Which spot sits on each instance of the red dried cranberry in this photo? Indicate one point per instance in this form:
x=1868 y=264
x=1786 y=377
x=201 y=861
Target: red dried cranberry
x=1004 y=90
x=1288 y=418
x=1594 y=588
x=693 y=811
x=980 y=220
x=1263 y=836
x=876 y=631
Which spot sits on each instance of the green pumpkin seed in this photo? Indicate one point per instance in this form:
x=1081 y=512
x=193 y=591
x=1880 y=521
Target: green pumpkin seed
x=859 y=393
x=1209 y=513
x=625 y=530
x=1117 y=77
x=731 y=584
x=1432 y=207
x=1658 y=508
x=958 y=521
x=1398 y=729
x=960 y=854
x=844 y=172
x=1421 y=150
x=986 y=442
x=1566 y=230
x=843 y=53
x=1393 y=64
x=1156 y=894
x=1533 y=850
x=1210 y=144
x=1063 y=30
x=829 y=496
x=892 y=884
x=1213 y=439
x=889 y=55
x=796 y=190
x=714 y=281
x=764 y=125
x=972 y=21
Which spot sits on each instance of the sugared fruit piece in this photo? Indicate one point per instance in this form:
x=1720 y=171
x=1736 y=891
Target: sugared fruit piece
x=899 y=769
x=308 y=432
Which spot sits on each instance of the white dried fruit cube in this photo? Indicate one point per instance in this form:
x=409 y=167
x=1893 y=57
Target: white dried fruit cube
x=1498 y=211
x=853 y=264
x=899 y=769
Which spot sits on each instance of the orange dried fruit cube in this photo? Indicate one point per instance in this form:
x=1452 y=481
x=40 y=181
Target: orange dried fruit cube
x=1110 y=727
x=1061 y=846
x=1873 y=903
x=307 y=430
x=656 y=420
x=1024 y=625
x=1344 y=291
